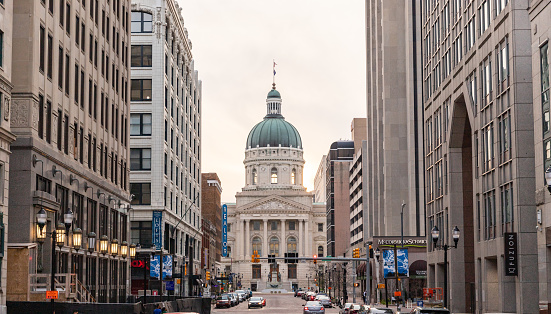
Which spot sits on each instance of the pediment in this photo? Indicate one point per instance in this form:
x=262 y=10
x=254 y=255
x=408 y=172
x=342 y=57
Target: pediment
x=273 y=202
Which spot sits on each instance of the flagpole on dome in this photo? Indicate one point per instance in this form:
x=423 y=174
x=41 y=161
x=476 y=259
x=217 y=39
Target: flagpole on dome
x=273 y=83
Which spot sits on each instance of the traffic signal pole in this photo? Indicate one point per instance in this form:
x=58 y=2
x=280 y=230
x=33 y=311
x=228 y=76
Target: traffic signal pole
x=367 y=274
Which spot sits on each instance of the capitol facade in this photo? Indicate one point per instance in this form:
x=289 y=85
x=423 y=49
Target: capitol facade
x=274 y=214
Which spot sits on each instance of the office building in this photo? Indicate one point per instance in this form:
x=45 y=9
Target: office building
x=165 y=142
x=70 y=113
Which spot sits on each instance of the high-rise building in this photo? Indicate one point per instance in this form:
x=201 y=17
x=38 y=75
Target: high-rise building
x=211 y=210
x=274 y=214
x=165 y=140
x=6 y=138
x=70 y=112
x=478 y=151
x=540 y=12
x=359 y=214
x=337 y=193
x=319 y=181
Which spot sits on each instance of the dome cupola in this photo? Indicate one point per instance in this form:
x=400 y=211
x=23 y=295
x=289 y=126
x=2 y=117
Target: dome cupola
x=274 y=131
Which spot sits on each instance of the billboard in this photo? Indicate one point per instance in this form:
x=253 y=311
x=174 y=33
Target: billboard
x=157 y=226
x=225 y=230
x=155 y=268
x=389 y=266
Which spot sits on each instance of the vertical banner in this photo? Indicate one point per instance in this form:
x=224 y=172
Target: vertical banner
x=511 y=261
x=389 y=266
x=155 y=267
x=157 y=229
x=225 y=230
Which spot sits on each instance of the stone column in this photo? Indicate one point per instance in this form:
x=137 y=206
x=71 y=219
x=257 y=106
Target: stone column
x=282 y=242
x=240 y=237
x=247 y=238
x=300 y=252
x=265 y=249
x=307 y=250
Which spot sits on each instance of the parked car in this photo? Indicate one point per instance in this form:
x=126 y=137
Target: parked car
x=345 y=308
x=325 y=301
x=263 y=301
x=380 y=310
x=313 y=307
x=355 y=309
x=236 y=296
x=245 y=295
x=234 y=300
x=298 y=292
x=223 y=301
x=426 y=310
x=255 y=302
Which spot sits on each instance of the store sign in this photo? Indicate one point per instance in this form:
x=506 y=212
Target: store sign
x=157 y=226
x=511 y=254
x=411 y=241
x=225 y=230
x=52 y=295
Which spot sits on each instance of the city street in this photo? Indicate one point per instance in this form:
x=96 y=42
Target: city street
x=275 y=303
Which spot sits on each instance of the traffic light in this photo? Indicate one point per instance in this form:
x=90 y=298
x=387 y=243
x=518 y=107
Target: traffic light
x=370 y=251
x=255 y=257
x=252 y=257
x=207 y=275
x=356 y=253
x=185 y=272
x=315 y=259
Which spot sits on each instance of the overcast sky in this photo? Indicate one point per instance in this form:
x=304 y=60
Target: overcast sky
x=319 y=46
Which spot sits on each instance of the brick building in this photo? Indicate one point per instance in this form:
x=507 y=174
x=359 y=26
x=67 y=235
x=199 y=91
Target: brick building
x=211 y=192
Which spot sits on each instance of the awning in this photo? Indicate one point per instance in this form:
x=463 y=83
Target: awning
x=418 y=269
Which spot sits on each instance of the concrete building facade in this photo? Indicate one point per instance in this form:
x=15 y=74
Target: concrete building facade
x=274 y=214
x=540 y=17
x=319 y=181
x=165 y=138
x=70 y=113
x=6 y=138
x=479 y=159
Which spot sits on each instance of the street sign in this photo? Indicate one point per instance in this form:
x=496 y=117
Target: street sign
x=51 y=295
x=397 y=293
x=170 y=286
x=420 y=303
x=381 y=286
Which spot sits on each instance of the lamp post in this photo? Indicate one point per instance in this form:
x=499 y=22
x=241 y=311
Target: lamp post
x=308 y=281
x=377 y=255
x=435 y=233
x=58 y=238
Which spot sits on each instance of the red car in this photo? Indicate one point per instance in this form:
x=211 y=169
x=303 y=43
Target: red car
x=263 y=302
x=223 y=301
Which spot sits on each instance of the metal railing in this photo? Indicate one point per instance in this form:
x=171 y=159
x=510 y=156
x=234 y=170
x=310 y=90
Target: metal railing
x=65 y=284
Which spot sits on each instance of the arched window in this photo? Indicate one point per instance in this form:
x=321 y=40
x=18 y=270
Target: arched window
x=274 y=175
x=293 y=176
x=291 y=245
x=274 y=246
x=257 y=245
x=320 y=251
x=142 y=22
x=255 y=177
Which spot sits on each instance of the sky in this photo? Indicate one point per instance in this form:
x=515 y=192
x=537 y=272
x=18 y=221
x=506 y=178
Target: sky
x=319 y=48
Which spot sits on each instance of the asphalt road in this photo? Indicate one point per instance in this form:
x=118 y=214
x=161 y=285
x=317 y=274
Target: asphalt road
x=275 y=303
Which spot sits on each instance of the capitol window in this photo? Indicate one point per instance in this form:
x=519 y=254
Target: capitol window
x=274 y=226
x=291 y=245
x=256 y=225
x=257 y=245
x=293 y=176
x=255 y=177
x=292 y=225
x=274 y=246
x=274 y=175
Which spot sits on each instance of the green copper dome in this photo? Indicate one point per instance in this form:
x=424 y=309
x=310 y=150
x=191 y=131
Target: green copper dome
x=274 y=131
x=274 y=94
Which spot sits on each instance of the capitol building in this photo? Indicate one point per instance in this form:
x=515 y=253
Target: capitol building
x=274 y=214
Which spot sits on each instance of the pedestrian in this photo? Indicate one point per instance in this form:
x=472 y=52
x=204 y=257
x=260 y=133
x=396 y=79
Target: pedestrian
x=164 y=310
x=158 y=310
x=365 y=297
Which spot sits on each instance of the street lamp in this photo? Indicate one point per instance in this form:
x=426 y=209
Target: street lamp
x=60 y=235
x=132 y=250
x=68 y=219
x=103 y=244
x=114 y=247
x=91 y=242
x=435 y=233
x=77 y=239
x=41 y=218
x=124 y=249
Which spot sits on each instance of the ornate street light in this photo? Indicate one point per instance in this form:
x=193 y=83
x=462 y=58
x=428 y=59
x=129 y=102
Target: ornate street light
x=77 y=239
x=377 y=254
x=68 y=219
x=114 y=247
x=548 y=178
x=132 y=250
x=103 y=244
x=91 y=242
x=124 y=249
x=60 y=235
x=456 y=234
x=41 y=218
x=435 y=233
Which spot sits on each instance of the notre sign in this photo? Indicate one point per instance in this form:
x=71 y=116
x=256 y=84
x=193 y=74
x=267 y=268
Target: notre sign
x=511 y=252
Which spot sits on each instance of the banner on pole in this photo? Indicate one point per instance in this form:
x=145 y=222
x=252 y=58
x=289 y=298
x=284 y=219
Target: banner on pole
x=157 y=226
x=225 y=230
x=388 y=263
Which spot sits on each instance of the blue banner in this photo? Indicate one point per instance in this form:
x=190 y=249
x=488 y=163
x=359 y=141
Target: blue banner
x=157 y=226
x=225 y=230
x=170 y=286
x=388 y=263
x=154 y=267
